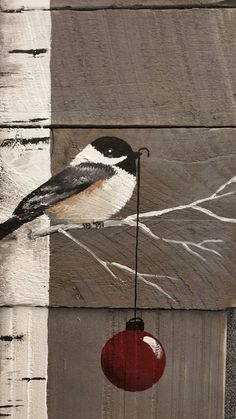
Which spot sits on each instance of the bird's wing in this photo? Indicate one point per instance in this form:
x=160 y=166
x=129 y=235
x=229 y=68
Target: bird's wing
x=72 y=180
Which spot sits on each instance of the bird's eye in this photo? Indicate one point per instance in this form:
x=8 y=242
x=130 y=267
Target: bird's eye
x=109 y=152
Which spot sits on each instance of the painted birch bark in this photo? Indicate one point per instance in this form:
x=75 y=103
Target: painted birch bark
x=24 y=268
x=20 y=5
x=23 y=362
x=24 y=271
x=25 y=68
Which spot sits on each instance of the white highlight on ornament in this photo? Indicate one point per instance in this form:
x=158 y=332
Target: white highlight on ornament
x=154 y=345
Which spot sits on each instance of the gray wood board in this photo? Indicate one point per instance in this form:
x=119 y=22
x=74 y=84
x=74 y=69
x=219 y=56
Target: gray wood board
x=74 y=4
x=144 y=67
x=20 y=5
x=230 y=388
x=185 y=165
x=192 y=385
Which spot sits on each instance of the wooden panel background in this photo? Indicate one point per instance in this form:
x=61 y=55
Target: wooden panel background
x=122 y=69
x=185 y=165
x=19 y=5
x=192 y=384
x=144 y=67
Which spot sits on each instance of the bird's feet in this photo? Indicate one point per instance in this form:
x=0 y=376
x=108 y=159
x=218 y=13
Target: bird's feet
x=99 y=224
x=87 y=226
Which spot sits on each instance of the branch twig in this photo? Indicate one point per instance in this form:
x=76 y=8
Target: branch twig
x=107 y=266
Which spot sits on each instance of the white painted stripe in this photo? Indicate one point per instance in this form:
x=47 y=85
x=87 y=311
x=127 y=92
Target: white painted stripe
x=23 y=362
x=24 y=165
x=24 y=4
x=25 y=81
x=24 y=264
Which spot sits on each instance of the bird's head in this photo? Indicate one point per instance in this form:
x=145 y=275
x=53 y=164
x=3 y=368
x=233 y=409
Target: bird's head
x=110 y=151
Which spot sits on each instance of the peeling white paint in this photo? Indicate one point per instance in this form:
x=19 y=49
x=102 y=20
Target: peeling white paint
x=26 y=4
x=24 y=264
x=23 y=362
x=24 y=165
x=25 y=81
x=24 y=271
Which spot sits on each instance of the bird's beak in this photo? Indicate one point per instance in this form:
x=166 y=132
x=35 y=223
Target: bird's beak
x=137 y=154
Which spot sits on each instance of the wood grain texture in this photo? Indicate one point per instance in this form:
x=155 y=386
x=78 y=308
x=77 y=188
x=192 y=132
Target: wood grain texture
x=23 y=362
x=192 y=385
x=25 y=68
x=20 y=5
x=144 y=67
x=185 y=165
x=141 y=3
x=230 y=388
x=24 y=263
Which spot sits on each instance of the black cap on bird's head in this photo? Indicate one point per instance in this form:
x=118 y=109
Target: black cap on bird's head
x=116 y=148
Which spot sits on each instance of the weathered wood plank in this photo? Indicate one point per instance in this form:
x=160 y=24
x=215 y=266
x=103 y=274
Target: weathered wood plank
x=20 y=5
x=192 y=385
x=144 y=67
x=185 y=165
x=230 y=387
x=23 y=362
x=24 y=263
x=25 y=68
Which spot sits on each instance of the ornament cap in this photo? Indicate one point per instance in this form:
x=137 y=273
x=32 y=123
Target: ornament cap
x=135 y=323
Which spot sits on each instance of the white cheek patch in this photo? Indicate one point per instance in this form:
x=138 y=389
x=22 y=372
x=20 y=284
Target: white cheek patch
x=90 y=154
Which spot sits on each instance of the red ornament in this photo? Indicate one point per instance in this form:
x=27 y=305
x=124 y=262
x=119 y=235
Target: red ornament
x=133 y=360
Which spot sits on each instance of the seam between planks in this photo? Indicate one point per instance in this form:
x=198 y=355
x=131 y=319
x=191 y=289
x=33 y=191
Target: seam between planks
x=121 y=126
x=116 y=7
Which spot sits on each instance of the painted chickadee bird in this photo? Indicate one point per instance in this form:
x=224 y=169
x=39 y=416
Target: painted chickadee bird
x=97 y=184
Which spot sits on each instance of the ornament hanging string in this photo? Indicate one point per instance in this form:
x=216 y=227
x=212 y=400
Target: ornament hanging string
x=137 y=229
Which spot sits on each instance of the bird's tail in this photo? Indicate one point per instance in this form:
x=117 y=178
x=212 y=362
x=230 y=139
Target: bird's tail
x=9 y=226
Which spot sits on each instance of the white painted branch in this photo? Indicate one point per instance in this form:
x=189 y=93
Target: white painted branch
x=192 y=205
x=83 y=246
x=213 y=215
x=190 y=246
x=107 y=266
x=131 y=219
